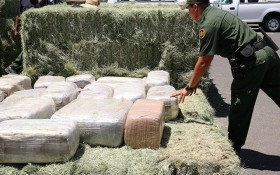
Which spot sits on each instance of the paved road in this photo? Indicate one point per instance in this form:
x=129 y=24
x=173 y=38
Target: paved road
x=261 y=152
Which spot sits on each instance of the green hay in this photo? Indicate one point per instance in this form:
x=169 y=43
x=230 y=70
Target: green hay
x=132 y=36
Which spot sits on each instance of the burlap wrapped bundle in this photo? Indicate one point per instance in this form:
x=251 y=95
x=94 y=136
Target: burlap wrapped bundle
x=101 y=122
x=38 y=141
x=171 y=106
x=81 y=80
x=45 y=81
x=96 y=91
x=144 y=124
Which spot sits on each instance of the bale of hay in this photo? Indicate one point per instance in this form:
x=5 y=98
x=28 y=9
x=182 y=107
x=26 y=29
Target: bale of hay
x=38 y=141
x=81 y=80
x=96 y=91
x=101 y=122
x=46 y=80
x=144 y=124
x=171 y=106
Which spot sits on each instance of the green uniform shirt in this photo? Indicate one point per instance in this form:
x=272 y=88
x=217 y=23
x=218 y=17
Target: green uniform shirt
x=222 y=33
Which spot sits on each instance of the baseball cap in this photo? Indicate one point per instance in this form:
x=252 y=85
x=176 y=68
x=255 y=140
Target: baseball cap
x=188 y=2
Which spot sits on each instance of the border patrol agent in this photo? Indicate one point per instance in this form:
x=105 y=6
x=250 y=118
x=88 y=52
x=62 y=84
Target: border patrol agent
x=254 y=63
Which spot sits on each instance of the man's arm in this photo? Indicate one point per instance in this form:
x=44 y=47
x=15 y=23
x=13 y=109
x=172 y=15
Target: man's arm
x=200 y=68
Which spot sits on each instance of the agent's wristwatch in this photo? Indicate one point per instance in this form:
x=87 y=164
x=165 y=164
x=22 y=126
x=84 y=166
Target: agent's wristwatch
x=188 y=88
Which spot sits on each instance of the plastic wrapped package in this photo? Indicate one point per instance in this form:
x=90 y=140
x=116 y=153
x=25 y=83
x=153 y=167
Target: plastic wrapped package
x=38 y=141
x=171 y=106
x=62 y=93
x=158 y=78
x=101 y=122
x=2 y=95
x=113 y=81
x=45 y=81
x=81 y=80
x=19 y=95
x=144 y=124
x=96 y=91
x=27 y=108
x=12 y=83
x=130 y=91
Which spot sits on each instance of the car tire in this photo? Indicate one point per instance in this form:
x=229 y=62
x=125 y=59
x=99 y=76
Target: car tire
x=271 y=23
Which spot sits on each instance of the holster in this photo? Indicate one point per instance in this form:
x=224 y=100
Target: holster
x=236 y=69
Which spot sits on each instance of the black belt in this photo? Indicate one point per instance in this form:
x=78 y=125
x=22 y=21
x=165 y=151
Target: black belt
x=249 y=49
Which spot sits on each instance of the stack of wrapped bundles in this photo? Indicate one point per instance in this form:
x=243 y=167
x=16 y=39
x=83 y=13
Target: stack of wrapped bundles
x=101 y=121
x=38 y=141
x=81 y=80
x=144 y=124
x=171 y=106
x=27 y=104
x=12 y=83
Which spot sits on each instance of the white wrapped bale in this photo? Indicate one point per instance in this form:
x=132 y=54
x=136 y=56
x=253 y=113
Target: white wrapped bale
x=158 y=78
x=19 y=95
x=171 y=106
x=144 y=124
x=27 y=108
x=113 y=81
x=2 y=95
x=62 y=93
x=81 y=80
x=101 y=122
x=45 y=81
x=130 y=91
x=96 y=91
x=38 y=141
x=12 y=83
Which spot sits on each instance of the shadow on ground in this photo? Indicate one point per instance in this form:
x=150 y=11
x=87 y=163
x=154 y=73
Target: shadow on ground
x=217 y=102
x=257 y=160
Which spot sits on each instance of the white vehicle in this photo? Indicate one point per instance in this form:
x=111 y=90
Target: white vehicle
x=266 y=13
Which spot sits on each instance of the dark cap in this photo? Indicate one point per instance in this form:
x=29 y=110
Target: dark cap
x=188 y=2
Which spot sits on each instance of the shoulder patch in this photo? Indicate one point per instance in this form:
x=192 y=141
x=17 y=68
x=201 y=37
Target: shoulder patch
x=202 y=33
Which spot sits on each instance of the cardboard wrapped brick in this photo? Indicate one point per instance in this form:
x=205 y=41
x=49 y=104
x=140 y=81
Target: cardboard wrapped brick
x=81 y=80
x=38 y=141
x=171 y=106
x=101 y=121
x=144 y=124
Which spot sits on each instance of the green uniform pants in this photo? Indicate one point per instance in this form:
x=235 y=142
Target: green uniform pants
x=263 y=72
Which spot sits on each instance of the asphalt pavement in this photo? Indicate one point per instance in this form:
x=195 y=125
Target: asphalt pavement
x=261 y=153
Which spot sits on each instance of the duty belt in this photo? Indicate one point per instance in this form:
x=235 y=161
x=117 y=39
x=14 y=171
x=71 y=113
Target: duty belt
x=251 y=48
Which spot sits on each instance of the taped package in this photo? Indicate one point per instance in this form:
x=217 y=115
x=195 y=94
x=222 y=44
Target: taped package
x=23 y=94
x=101 y=122
x=12 y=83
x=158 y=78
x=38 y=141
x=81 y=80
x=45 y=81
x=27 y=108
x=163 y=93
x=62 y=93
x=144 y=124
x=96 y=91
x=130 y=91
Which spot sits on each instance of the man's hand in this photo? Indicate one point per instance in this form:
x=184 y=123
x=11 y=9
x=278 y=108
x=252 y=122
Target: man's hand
x=182 y=94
